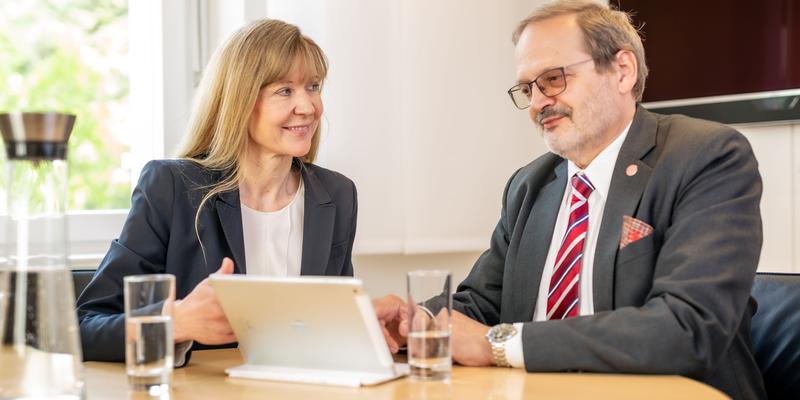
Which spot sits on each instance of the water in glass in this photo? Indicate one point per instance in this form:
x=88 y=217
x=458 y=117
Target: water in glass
x=149 y=350
x=429 y=355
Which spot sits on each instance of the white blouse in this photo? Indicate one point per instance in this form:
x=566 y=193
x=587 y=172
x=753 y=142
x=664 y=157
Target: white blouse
x=273 y=241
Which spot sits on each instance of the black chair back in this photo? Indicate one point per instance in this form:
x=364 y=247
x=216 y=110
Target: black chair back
x=776 y=333
x=81 y=278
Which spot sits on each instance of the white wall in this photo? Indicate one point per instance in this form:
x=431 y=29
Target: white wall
x=777 y=149
x=418 y=116
x=386 y=273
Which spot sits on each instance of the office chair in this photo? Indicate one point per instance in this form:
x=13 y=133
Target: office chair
x=775 y=333
x=81 y=278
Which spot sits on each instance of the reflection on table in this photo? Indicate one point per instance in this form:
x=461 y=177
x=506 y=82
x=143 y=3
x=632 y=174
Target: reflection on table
x=204 y=378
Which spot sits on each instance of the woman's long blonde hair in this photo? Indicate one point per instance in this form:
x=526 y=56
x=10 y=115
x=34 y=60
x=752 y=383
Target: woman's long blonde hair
x=257 y=55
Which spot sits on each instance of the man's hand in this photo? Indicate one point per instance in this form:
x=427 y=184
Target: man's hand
x=391 y=312
x=470 y=346
x=199 y=316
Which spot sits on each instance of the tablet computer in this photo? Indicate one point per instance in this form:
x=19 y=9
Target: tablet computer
x=305 y=329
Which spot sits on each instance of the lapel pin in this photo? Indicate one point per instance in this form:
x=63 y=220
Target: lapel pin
x=631 y=170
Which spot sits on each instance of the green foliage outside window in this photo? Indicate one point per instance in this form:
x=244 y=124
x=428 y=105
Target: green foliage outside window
x=71 y=56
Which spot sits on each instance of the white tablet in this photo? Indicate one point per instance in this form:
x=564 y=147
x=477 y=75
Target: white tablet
x=305 y=329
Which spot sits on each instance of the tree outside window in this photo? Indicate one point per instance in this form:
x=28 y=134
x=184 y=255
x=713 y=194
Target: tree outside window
x=72 y=56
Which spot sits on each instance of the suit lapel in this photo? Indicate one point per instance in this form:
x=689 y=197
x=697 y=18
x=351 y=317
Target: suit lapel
x=535 y=244
x=230 y=217
x=624 y=195
x=318 y=221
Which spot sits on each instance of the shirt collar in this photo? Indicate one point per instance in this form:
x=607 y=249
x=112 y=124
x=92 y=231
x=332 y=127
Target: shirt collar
x=599 y=171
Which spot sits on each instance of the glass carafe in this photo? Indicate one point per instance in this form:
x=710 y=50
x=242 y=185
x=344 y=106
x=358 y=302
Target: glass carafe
x=40 y=353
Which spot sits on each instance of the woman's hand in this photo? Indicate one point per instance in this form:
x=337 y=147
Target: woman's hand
x=199 y=316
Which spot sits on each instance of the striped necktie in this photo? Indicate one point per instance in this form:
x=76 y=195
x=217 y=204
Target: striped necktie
x=564 y=295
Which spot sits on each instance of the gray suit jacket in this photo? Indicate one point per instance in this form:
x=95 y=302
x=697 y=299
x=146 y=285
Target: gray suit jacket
x=159 y=237
x=675 y=302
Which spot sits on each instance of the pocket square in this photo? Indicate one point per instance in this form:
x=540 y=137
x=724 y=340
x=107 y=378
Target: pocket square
x=632 y=230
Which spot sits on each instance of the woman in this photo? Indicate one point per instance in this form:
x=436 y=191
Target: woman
x=243 y=197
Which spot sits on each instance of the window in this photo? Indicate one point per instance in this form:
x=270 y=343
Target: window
x=72 y=56
x=128 y=69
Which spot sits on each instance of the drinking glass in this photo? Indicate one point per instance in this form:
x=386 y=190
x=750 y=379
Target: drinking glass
x=429 y=309
x=149 y=347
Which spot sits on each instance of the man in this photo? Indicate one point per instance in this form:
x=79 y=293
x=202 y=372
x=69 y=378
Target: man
x=632 y=246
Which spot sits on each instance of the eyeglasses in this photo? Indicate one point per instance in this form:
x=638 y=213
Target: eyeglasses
x=551 y=83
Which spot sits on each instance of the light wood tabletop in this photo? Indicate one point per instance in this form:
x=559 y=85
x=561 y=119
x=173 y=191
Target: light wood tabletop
x=204 y=378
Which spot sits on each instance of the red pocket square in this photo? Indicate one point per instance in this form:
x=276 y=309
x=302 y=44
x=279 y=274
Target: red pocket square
x=632 y=230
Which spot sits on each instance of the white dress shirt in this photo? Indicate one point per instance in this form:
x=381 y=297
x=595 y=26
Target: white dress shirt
x=273 y=240
x=599 y=173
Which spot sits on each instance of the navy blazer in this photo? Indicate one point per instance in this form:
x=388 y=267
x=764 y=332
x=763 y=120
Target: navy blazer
x=159 y=237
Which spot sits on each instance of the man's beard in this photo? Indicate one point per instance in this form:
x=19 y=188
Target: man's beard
x=586 y=129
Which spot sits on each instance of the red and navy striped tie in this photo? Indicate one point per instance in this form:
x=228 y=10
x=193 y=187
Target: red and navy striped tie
x=564 y=295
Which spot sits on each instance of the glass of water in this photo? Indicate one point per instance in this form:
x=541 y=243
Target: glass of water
x=429 y=309
x=149 y=345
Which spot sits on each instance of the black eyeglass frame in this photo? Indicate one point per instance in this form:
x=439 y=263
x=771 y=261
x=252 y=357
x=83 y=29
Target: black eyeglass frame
x=530 y=84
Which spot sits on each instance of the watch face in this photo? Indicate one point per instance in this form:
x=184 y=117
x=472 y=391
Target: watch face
x=502 y=332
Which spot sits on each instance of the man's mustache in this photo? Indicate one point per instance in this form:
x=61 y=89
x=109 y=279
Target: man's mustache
x=552 y=112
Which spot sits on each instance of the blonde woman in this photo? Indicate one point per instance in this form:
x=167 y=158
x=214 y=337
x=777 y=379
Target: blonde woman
x=243 y=197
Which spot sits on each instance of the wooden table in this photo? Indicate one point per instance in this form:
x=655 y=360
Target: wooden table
x=204 y=378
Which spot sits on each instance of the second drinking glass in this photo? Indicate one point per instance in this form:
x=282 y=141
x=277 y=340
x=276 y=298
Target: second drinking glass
x=429 y=309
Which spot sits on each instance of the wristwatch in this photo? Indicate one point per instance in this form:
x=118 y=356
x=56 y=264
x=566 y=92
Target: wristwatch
x=498 y=336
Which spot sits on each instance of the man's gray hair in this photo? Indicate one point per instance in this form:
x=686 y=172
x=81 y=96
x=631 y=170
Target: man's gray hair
x=605 y=33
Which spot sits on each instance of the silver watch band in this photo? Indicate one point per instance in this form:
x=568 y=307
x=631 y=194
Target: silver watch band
x=499 y=352
x=498 y=336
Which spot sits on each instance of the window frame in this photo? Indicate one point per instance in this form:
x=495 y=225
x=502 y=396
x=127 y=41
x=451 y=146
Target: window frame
x=170 y=43
x=163 y=45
